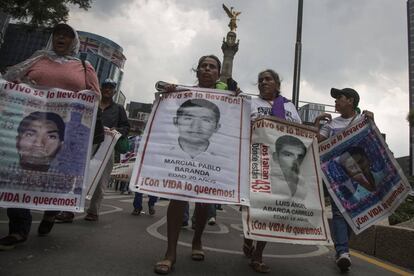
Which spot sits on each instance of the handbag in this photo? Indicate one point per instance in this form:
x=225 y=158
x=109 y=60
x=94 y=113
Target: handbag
x=122 y=145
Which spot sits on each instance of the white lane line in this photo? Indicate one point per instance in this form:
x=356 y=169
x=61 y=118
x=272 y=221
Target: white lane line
x=153 y=231
x=116 y=209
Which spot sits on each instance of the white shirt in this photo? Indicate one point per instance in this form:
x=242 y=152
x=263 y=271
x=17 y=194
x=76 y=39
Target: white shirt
x=336 y=125
x=260 y=106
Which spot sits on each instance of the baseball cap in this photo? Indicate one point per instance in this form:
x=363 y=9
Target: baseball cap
x=347 y=92
x=109 y=82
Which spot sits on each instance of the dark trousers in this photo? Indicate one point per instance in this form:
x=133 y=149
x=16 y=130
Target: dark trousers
x=20 y=220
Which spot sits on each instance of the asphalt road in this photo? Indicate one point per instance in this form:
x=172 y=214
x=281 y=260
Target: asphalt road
x=122 y=244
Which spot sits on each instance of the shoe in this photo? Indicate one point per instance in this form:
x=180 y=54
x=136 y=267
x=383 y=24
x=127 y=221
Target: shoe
x=151 y=210
x=220 y=208
x=91 y=217
x=259 y=267
x=197 y=255
x=136 y=212
x=45 y=227
x=10 y=242
x=212 y=221
x=343 y=262
x=184 y=224
x=65 y=217
x=164 y=267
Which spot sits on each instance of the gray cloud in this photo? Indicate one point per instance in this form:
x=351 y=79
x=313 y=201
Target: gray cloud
x=354 y=43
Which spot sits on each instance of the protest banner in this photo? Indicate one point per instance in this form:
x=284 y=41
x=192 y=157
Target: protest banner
x=122 y=171
x=100 y=159
x=45 y=146
x=361 y=174
x=286 y=195
x=133 y=149
x=195 y=148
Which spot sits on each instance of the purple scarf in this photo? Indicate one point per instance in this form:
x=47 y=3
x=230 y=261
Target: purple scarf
x=278 y=108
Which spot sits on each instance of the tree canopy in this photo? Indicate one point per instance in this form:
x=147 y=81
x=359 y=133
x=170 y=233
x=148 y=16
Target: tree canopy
x=41 y=12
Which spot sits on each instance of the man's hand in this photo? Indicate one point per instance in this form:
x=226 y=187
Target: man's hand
x=368 y=114
x=323 y=117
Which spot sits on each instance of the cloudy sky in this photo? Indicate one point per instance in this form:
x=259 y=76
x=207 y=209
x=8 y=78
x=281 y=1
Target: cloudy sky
x=355 y=43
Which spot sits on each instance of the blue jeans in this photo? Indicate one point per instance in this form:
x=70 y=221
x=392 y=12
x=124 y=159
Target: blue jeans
x=138 y=201
x=340 y=230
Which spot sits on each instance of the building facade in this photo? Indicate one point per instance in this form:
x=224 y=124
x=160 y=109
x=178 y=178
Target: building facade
x=20 y=42
x=105 y=56
x=138 y=114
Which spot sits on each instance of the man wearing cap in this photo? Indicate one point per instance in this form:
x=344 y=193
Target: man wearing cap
x=346 y=103
x=113 y=117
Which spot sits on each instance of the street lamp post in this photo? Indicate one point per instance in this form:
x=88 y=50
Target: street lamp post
x=298 y=51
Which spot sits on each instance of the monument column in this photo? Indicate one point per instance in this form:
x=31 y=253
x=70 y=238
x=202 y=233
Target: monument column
x=230 y=46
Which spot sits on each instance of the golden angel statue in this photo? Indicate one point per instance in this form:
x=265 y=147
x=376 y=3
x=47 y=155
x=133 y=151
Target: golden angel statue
x=233 y=17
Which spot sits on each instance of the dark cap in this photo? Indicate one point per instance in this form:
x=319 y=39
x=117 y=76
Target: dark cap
x=63 y=26
x=109 y=82
x=347 y=92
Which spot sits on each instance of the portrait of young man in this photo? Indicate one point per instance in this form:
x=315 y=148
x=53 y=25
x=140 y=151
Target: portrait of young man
x=196 y=120
x=40 y=137
x=288 y=155
x=357 y=167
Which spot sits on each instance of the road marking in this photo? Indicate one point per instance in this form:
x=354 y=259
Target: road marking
x=116 y=209
x=153 y=231
x=380 y=264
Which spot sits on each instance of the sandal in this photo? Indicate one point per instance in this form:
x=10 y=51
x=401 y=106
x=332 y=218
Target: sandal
x=259 y=267
x=248 y=250
x=197 y=255
x=164 y=267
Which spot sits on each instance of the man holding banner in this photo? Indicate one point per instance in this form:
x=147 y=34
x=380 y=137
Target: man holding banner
x=346 y=103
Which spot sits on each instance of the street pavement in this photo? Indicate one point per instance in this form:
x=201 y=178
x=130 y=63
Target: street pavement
x=122 y=244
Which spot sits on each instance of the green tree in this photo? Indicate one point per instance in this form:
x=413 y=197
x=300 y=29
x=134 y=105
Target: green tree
x=41 y=12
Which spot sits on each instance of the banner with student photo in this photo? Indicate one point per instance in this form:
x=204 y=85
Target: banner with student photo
x=45 y=141
x=361 y=174
x=286 y=194
x=100 y=159
x=195 y=148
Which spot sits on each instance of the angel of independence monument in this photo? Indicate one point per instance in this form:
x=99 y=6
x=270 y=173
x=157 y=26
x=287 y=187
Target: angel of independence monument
x=230 y=46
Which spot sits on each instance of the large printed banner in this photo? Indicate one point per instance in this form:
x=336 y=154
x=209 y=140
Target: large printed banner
x=361 y=174
x=44 y=146
x=195 y=148
x=286 y=195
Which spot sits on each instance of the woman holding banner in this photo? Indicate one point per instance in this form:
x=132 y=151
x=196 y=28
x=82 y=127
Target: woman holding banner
x=56 y=66
x=208 y=73
x=269 y=102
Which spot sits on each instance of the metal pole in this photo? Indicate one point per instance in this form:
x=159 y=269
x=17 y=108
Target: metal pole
x=298 y=51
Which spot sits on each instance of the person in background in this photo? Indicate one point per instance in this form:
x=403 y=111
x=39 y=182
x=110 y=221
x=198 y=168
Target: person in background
x=138 y=204
x=113 y=117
